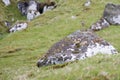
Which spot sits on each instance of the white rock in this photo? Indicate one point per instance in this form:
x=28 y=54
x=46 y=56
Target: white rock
x=73 y=17
x=33 y=7
x=18 y=27
x=32 y=11
x=12 y=19
x=6 y=2
x=50 y=7
x=32 y=14
x=116 y=19
x=47 y=8
x=73 y=57
x=87 y=3
x=105 y=23
x=93 y=50
x=37 y=14
x=44 y=9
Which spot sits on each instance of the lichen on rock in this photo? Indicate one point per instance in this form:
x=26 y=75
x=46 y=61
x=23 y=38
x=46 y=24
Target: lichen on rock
x=76 y=46
x=100 y=24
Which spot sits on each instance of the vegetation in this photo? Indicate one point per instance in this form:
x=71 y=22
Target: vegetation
x=20 y=51
x=10 y=14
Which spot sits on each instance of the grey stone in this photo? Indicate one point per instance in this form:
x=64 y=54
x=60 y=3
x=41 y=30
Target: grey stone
x=33 y=9
x=100 y=24
x=111 y=16
x=22 y=6
x=76 y=46
x=87 y=3
x=112 y=13
x=18 y=27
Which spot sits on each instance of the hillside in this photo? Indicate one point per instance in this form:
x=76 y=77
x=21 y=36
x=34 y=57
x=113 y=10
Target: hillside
x=11 y=14
x=20 y=51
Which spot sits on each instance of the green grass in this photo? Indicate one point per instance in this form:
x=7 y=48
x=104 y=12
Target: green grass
x=7 y=13
x=20 y=51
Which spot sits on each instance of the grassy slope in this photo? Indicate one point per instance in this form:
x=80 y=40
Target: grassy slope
x=20 y=51
x=2 y=17
x=7 y=13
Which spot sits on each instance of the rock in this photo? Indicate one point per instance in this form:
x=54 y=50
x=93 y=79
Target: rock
x=6 y=2
x=19 y=26
x=12 y=19
x=32 y=5
x=7 y=23
x=32 y=14
x=87 y=3
x=32 y=10
x=73 y=17
x=111 y=16
x=35 y=9
x=22 y=6
x=29 y=9
x=112 y=13
x=43 y=7
x=77 y=46
x=100 y=24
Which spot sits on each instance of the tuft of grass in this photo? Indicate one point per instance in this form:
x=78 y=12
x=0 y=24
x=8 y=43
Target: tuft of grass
x=20 y=51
